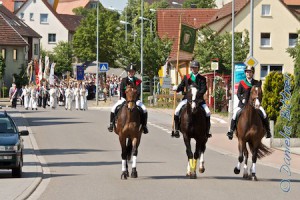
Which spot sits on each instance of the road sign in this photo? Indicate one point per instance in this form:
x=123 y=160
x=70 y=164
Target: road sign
x=250 y=61
x=103 y=67
x=214 y=65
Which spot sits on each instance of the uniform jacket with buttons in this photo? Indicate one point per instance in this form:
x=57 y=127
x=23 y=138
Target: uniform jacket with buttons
x=200 y=83
x=126 y=81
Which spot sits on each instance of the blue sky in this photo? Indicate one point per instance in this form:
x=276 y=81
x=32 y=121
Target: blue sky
x=117 y=4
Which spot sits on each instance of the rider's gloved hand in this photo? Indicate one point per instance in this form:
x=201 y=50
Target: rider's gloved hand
x=243 y=101
x=174 y=87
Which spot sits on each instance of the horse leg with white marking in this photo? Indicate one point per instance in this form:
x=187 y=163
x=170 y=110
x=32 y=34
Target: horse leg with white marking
x=125 y=172
x=135 y=142
x=246 y=154
x=191 y=171
x=253 y=167
x=242 y=145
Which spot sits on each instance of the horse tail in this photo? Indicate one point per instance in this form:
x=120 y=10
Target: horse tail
x=262 y=150
x=129 y=149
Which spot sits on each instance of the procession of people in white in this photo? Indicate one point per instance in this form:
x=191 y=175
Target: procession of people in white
x=32 y=96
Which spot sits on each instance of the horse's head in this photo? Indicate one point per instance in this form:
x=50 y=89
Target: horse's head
x=131 y=96
x=256 y=95
x=193 y=97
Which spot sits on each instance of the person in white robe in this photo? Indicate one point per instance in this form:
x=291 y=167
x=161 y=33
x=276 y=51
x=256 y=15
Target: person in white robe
x=26 y=94
x=53 y=97
x=77 y=96
x=83 y=97
x=33 y=98
x=68 y=97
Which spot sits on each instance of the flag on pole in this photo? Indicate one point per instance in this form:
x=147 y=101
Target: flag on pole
x=187 y=38
x=47 y=68
x=40 y=69
x=51 y=77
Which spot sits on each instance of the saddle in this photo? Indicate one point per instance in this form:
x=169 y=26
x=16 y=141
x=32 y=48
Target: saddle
x=119 y=107
x=180 y=111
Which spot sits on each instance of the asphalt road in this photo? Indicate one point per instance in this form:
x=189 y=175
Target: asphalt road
x=82 y=160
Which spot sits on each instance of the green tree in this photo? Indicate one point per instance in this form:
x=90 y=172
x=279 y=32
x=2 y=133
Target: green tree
x=85 y=38
x=21 y=78
x=213 y=45
x=2 y=72
x=295 y=100
x=63 y=57
x=2 y=67
x=273 y=85
x=200 y=3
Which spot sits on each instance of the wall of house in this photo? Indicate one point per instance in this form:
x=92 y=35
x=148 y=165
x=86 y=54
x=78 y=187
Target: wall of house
x=54 y=26
x=279 y=25
x=13 y=66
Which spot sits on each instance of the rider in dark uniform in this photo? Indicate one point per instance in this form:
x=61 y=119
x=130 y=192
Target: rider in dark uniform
x=126 y=81
x=200 y=81
x=243 y=94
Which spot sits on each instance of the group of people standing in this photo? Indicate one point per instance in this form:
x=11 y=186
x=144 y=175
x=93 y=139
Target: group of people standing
x=33 y=96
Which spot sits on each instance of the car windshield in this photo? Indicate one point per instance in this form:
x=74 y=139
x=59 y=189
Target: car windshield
x=7 y=126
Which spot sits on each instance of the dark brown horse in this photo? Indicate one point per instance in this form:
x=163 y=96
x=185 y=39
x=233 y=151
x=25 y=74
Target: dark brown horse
x=250 y=130
x=193 y=125
x=129 y=129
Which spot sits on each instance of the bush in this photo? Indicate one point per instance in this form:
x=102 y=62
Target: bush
x=273 y=85
x=4 y=90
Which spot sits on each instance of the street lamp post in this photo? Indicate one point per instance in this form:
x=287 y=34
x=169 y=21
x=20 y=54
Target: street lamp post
x=97 y=62
x=151 y=31
x=121 y=21
x=125 y=23
x=142 y=37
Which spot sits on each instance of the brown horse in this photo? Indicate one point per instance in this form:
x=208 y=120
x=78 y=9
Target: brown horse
x=250 y=130
x=128 y=127
x=193 y=125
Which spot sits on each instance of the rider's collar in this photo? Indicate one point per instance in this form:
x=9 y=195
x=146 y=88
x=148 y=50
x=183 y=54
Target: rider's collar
x=131 y=78
x=249 y=80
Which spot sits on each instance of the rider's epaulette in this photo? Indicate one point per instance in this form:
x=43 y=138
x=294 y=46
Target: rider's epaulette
x=137 y=82
x=188 y=76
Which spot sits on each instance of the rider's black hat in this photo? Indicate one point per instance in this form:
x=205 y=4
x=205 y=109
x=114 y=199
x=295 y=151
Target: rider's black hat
x=194 y=63
x=130 y=67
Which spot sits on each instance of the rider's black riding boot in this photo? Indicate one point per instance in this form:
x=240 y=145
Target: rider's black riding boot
x=145 y=129
x=267 y=127
x=232 y=129
x=111 y=124
x=208 y=127
x=176 y=133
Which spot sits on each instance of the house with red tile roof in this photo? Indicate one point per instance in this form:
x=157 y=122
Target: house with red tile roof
x=168 y=21
x=275 y=30
x=67 y=6
x=18 y=43
x=53 y=27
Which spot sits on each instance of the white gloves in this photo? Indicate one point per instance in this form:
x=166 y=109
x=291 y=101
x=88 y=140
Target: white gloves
x=175 y=87
x=243 y=101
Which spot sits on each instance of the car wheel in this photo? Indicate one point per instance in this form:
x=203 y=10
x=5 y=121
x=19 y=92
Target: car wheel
x=17 y=172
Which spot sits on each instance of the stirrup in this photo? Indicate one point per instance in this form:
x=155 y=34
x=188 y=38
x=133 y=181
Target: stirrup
x=209 y=135
x=230 y=135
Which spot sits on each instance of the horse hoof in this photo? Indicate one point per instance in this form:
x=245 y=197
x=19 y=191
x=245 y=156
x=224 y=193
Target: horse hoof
x=253 y=178
x=193 y=176
x=134 y=173
x=202 y=170
x=124 y=175
x=245 y=176
x=236 y=170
